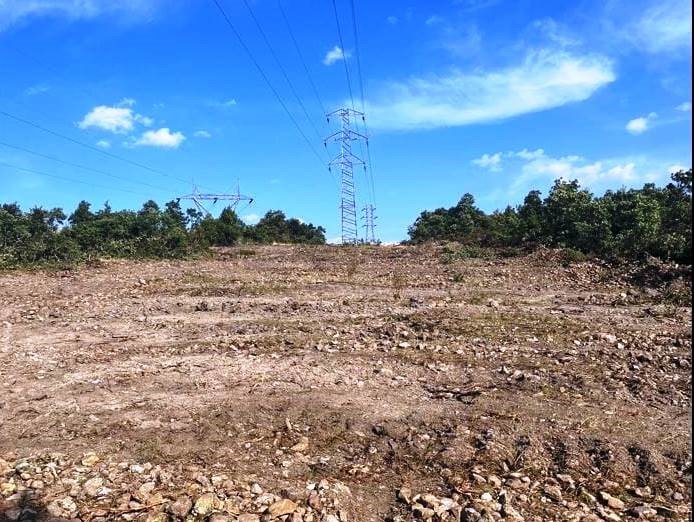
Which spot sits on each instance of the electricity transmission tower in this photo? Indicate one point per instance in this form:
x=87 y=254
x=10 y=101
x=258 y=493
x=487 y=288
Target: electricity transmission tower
x=346 y=160
x=369 y=223
x=197 y=197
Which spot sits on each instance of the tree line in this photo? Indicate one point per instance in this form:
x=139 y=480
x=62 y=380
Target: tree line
x=41 y=235
x=626 y=223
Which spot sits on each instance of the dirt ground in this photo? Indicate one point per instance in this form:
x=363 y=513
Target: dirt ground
x=343 y=384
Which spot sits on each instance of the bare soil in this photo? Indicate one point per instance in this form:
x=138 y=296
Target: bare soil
x=514 y=388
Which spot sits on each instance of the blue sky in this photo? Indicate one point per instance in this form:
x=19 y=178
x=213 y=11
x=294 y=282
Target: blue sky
x=489 y=97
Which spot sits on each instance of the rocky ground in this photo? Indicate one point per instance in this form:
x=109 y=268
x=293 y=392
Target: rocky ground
x=341 y=384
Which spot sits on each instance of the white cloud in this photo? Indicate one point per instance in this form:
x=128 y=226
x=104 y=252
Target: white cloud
x=117 y=119
x=335 y=55
x=202 y=134
x=250 y=219
x=392 y=20
x=12 y=11
x=641 y=124
x=526 y=166
x=36 y=89
x=113 y=119
x=664 y=27
x=545 y=79
x=684 y=107
x=676 y=168
x=489 y=161
x=161 y=138
x=103 y=144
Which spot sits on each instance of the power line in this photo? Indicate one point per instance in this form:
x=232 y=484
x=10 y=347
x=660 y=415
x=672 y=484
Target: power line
x=356 y=51
x=267 y=80
x=344 y=56
x=84 y=167
x=301 y=57
x=281 y=67
x=363 y=108
x=72 y=180
x=90 y=147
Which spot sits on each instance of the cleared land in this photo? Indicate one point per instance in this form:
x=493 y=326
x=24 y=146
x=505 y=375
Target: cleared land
x=339 y=384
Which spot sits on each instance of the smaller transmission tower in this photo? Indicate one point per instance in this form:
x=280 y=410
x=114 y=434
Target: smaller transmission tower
x=346 y=160
x=197 y=197
x=369 y=223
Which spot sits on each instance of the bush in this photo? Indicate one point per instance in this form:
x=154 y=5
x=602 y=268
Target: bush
x=623 y=224
x=47 y=236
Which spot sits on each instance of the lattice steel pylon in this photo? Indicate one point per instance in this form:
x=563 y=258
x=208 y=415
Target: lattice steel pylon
x=369 y=223
x=346 y=160
x=197 y=197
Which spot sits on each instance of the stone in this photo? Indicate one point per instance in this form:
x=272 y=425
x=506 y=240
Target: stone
x=608 y=514
x=68 y=505
x=553 y=492
x=248 y=517
x=643 y=492
x=7 y=488
x=90 y=459
x=643 y=511
x=145 y=489
x=281 y=507
x=430 y=500
x=494 y=481
x=54 y=509
x=300 y=446
x=424 y=512
x=566 y=479
x=181 y=507
x=512 y=514
x=218 y=517
x=405 y=494
x=205 y=504
x=5 y=468
x=314 y=501
x=611 y=502
x=486 y=497
x=256 y=489
x=92 y=486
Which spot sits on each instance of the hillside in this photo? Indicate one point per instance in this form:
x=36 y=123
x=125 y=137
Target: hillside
x=342 y=384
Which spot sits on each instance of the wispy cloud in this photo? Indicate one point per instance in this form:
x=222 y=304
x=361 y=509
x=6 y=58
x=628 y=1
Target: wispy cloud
x=119 y=119
x=336 y=54
x=641 y=124
x=162 y=138
x=392 y=20
x=12 y=11
x=36 y=89
x=223 y=104
x=544 y=79
x=202 y=134
x=663 y=27
x=684 y=107
x=103 y=144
